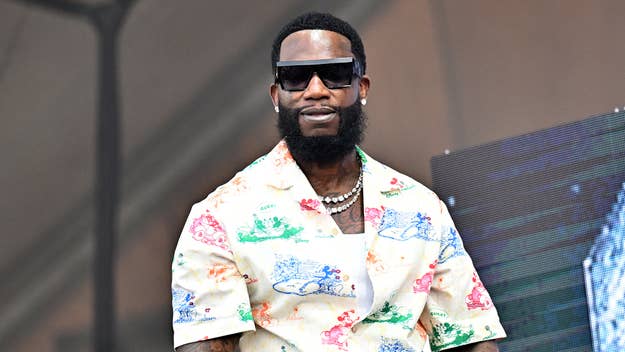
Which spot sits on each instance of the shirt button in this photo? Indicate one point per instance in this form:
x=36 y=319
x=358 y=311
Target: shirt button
x=353 y=329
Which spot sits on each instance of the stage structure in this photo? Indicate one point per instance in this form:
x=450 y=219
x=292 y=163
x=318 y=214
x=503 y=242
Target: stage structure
x=107 y=19
x=529 y=209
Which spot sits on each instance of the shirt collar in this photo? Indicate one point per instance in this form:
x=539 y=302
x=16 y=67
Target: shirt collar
x=283 y=171
x=286 y=173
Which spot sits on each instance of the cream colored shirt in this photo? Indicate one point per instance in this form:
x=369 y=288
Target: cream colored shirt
x=262 y=256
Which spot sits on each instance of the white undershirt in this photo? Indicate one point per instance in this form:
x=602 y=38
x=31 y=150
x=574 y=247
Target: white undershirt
x=357 y=245
x=356 y=263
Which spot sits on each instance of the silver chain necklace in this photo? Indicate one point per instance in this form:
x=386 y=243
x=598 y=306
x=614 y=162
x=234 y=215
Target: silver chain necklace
x=355 y=192
x=336 y=210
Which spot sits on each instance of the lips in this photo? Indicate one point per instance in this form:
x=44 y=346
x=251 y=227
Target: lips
x=318 y=114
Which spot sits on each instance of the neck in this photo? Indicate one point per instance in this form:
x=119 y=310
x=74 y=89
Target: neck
x=332 y=177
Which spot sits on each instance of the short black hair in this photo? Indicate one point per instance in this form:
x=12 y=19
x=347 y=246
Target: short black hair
x=323 y=21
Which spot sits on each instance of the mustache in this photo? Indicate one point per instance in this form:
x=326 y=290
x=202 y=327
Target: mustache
x=297 y=111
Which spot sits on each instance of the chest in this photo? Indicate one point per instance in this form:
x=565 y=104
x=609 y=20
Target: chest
x=352 y=219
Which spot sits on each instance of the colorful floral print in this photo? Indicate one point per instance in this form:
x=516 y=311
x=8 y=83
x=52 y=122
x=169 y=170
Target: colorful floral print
x=389 y=313
x=207 y=229
x=307 y=277
x=268 y=228
x=261 y=317
x=185 y=310
x=478 y=298
x=221 y=272
x=245 y=313
x=451 y=245
x=404 y=225
x=373 y=215
x=424 y=283
x=261 y=253
x=393 y=345
x=450 y=335
x=337 y=335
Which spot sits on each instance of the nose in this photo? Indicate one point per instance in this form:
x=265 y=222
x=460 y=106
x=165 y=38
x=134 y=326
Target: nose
x=316 y=89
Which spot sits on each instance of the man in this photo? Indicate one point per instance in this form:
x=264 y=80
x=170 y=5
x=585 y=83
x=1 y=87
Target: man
x=318 y=247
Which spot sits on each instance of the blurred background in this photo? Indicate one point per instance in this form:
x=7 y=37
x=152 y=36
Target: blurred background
x=193 y=82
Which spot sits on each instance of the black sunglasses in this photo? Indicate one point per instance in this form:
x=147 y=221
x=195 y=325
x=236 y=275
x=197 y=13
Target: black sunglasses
x=334 y=73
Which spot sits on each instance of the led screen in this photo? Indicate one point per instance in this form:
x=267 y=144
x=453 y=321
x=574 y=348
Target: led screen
x=536 y=212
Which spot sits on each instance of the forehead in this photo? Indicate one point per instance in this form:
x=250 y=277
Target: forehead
x=313 y=44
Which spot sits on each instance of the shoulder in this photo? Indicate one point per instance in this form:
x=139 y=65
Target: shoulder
x=395 y=184
x=241 y=183
x=250 y=183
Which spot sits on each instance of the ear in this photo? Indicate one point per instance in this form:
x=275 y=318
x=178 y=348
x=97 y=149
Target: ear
x=273 y=92
x=363 y=87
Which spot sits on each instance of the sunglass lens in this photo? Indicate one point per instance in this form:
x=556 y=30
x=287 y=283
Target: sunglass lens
x=336 y=75
x=294 y=77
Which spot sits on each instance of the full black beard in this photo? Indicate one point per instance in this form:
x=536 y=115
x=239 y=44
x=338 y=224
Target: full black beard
x=322 y=149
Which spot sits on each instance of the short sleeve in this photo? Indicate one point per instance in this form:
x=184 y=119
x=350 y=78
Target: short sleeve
x=209 y=295
x=459 y=310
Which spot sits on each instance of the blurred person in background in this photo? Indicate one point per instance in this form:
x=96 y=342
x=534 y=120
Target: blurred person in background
x=316 y=246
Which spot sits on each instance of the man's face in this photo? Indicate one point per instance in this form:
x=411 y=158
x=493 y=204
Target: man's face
x=317 y=110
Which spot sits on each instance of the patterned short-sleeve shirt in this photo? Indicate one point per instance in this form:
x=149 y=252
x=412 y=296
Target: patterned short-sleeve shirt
x=262 y=256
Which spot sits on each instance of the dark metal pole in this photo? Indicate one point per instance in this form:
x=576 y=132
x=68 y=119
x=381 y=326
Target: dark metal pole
x=107 y=179
x=107 y=20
